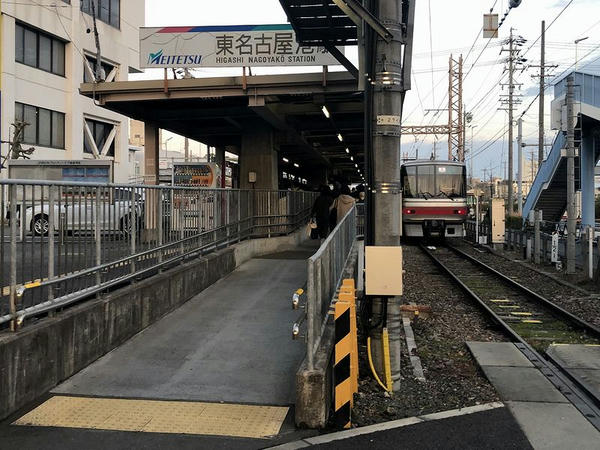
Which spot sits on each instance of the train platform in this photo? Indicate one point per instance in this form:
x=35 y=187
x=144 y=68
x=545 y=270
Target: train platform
x=220 y=369
x=489 y=426
x=533 y=414
x=546 y=414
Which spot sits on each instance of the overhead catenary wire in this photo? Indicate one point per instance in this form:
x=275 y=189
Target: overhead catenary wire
x=548 y=27
x=431 y=52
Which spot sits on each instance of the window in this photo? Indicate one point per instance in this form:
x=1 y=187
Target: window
x=40 y=50
x=45 y=127
x=100 y=132
x=433 y=181
x=108 y=11
x=106 y=67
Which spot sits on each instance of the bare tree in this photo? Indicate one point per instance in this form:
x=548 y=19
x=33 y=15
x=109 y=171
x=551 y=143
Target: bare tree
x=16 y=150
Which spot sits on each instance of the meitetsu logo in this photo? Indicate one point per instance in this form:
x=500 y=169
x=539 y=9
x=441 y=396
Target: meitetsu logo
x=160 y=59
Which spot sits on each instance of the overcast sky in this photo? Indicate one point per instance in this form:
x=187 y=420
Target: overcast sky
x=452 y=27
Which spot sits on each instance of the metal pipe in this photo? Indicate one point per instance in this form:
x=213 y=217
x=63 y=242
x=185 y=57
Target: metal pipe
x=12 y=192
x=51 y=228
x=571 y=212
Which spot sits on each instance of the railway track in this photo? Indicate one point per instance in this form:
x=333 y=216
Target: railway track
x=531 y=320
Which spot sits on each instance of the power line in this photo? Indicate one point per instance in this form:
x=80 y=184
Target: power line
x=548 y=27
x=431 y=50
x=561 y=74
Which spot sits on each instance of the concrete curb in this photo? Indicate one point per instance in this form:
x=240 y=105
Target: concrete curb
x=340 y=435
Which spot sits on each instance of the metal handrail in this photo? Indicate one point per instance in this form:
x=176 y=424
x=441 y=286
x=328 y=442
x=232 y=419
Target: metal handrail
x=325 y=270
x=166 y=224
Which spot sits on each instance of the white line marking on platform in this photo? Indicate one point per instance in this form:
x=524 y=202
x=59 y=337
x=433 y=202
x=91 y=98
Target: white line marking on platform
x=387 y=426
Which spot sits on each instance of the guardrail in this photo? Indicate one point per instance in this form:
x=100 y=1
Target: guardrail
x=62 y=242
x=360 y=220
x=523 y=240
x=325 y=270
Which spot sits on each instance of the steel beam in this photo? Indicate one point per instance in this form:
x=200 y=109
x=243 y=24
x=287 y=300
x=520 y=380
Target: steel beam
x=425 y=129
x=358 y=13
x=342 y=59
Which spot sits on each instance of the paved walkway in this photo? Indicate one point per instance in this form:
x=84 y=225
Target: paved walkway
x=231 y=343
x=223 y=364
x=544 y=414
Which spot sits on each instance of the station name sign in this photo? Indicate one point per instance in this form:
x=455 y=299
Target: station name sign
x=227 y=46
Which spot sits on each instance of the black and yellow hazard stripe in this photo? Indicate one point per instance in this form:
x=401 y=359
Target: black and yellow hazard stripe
x=342 y=380
x=348 y=294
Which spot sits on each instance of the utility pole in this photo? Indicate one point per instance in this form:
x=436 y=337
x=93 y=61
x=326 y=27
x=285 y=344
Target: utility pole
x=511 y=90
x=543 y=66
x=520 y=167
x=388 y=99
x=514 y=63
x=542 y=89
x=571 y=218
x=186 y=146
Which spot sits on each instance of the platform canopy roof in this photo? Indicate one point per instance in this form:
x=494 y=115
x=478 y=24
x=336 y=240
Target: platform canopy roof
x=319 y=21
x=218 y=111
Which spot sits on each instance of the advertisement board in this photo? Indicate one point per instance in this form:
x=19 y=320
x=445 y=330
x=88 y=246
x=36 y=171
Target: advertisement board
x=227 y=46
x=197 y=174
x=74 y=171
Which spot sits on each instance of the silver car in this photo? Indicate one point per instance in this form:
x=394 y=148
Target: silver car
x=76 y=213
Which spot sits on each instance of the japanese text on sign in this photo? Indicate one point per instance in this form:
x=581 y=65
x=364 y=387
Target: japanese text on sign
x=230 y=46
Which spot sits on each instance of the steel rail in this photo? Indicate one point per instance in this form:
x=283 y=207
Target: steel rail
x=548 y=303
x=578 y=393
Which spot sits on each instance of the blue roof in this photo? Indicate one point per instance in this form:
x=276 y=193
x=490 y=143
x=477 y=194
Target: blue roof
x=587 y=86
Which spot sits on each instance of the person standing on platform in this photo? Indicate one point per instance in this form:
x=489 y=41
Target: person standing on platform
x=320 y=211
x=343 y=203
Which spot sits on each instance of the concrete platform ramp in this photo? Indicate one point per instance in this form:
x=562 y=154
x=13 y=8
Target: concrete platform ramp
x=231 y=343
x=223 y=364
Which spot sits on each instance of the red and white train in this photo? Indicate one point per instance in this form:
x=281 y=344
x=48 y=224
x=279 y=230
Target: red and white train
x=434 y=202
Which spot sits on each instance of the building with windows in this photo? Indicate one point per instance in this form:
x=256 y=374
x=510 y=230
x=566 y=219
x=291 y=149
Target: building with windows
x=48 y=50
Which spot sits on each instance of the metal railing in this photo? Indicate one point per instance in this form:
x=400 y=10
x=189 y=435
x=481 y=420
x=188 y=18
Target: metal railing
x=325 y=269
x=62 y=242
x=360 y=219
x=523 y=240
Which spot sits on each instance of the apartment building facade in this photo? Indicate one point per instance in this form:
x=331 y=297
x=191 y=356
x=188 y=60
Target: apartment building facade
x=48 y=50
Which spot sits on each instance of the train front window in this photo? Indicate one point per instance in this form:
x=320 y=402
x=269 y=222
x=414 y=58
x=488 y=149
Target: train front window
x=450 y=181
x=433 y=181
x=409 y=182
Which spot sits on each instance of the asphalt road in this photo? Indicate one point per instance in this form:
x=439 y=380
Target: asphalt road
x=495 y=429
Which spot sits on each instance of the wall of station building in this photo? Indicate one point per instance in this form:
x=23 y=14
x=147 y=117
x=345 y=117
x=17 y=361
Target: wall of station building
x=36 y=87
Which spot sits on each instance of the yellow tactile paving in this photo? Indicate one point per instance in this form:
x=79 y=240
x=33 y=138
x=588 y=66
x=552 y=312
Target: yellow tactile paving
x=157 y=416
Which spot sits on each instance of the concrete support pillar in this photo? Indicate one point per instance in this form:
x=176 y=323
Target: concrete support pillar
x=151 y=176
x=588 y=163
x=151 y=153
x=220 y=160
x=259 y=155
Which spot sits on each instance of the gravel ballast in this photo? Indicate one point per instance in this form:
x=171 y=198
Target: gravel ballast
x=453 y=379
x=585 y=305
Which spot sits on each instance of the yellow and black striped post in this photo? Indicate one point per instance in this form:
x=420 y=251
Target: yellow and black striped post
x=348 y=294
x=344 y=374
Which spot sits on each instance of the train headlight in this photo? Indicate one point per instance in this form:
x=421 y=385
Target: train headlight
x=408 y=211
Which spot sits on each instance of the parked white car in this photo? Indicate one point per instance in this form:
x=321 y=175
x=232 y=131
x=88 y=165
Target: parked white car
x=80 y=214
